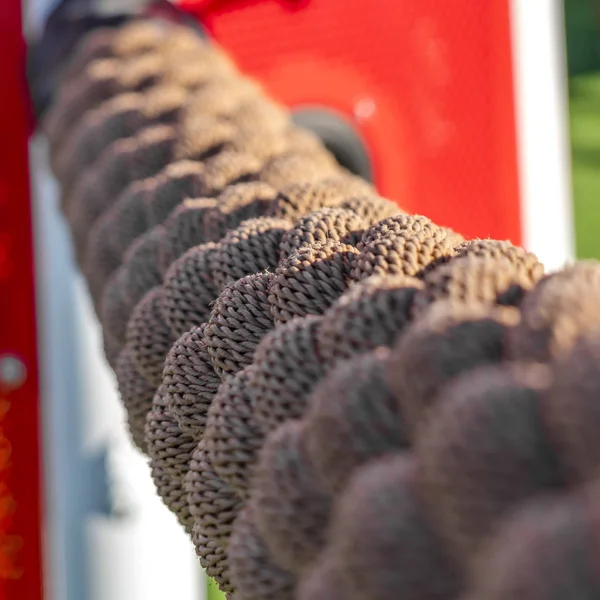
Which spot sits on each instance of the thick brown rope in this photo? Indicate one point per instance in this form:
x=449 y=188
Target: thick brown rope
x=429 y=452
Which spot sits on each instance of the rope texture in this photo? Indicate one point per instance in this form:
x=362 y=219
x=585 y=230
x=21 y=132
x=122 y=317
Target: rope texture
x=338 y=400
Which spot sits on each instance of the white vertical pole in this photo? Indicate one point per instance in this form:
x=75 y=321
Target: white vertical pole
x=539 y=59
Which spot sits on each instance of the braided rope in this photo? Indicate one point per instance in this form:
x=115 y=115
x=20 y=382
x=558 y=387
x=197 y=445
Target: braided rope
x=353 y=417
x=213 y=504
x=337 y=399
x=240 y=318
x=233 y=438
x=291 y=507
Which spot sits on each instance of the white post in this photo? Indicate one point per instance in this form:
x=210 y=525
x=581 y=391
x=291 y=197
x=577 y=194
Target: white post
x=539 y=61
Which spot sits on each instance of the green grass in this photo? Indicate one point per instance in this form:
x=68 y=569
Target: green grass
x=213 y=592
x=584 y=112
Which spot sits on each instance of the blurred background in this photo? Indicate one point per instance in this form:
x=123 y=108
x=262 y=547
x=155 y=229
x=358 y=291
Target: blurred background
x=582 y=26
x=109 y=537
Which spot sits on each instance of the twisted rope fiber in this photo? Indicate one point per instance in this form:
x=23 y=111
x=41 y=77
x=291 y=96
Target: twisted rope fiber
x=170 y=451
x=499 y=408
x=233 y=437
x=98 y=44
x=169 y=487
x=474 y=453
x=560 y=309
x=370 y=314
x=378 y=519
x=115 y=119
x=402 y=244
x=150 y=328
x=250 y=248
x=112 y=348
x=224 y=260
x=168 y=447
x=139 y=274
x=471 y=278
x=175 y=183
x=398 y=224
x=152 y=280
x=571 y=412
x=238 y=203
x=213 y=503
x=176 y=237
x=92 y=191
x=295 y=166
x=136 y=394
x=207 y=503
x=240 y=318
x=114 y=311
x=144 y=263
x=182 y=233
x=310 y=280
x=82 y=89
x=302 y=197
x=115 y=231
x=189 y=382
x=324 y=580
x=107 y=76
x=149 y=337
x=336 y=224
x=199 y=147
x=449 y=444
x=286 y=368
x=291 y=506
x=144 y=156
x=255 y=575
x=539 y=553
x=189 y=289
x=149 y=203
x=269 y=143
x=134 y=68
x=369 y=207
x=184 y=229
x=495 y=250
x=127 y=113
x=129 y=40
x=213 y=559
x=451 y=339
x=353 y=417
x=124 y=161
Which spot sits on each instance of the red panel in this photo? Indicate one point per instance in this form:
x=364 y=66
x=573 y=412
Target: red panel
x=20 y=524
x=428 y=83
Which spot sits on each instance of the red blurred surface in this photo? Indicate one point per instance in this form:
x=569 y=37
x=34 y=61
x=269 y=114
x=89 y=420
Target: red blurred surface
x=20 y=489
x=429 y=84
